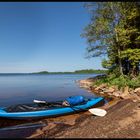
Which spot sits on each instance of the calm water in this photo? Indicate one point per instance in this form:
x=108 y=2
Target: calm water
x=15 y=89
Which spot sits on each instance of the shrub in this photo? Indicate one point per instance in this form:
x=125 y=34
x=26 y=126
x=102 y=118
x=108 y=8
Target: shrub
x=120 y=81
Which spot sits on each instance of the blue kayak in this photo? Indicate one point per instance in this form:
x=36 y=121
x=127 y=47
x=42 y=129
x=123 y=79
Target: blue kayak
x=25 y=111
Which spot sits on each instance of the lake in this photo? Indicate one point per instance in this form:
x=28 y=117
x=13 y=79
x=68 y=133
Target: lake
x=17 y=89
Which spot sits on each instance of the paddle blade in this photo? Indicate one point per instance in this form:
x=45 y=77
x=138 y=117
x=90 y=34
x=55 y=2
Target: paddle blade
x=98 y=111
x=39 y=101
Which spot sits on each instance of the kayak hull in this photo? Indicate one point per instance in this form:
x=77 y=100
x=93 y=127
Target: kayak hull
x=51 y=112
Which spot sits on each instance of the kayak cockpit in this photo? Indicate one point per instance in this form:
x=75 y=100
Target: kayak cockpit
x=31 y=107
x=35 y=107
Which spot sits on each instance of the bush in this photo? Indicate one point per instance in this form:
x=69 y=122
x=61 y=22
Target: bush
x=120 y=81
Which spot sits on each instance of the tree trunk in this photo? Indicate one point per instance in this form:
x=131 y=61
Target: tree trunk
x=120 y=63
x=119 y=52
x=134 y=72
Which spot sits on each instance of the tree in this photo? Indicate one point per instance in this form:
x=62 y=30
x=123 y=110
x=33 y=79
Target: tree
x=130 y=37
x=114 y=30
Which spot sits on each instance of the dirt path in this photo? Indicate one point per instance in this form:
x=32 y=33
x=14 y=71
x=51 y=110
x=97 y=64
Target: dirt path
x=122 y=121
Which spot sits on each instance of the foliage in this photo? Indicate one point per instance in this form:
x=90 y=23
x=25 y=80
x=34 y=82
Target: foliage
x=41 y=72
x=114 y=30
x=133 y=56
x=90 y=71
x=120 y=81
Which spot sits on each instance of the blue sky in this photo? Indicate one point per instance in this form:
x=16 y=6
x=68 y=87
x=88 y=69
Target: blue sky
x=39 y=36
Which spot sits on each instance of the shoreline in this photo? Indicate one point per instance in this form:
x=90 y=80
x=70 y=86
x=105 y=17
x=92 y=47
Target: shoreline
x=72 y=126
x=69 y=126
x=109 y=91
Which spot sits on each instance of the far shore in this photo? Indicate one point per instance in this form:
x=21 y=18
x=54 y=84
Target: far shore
x=83 y=71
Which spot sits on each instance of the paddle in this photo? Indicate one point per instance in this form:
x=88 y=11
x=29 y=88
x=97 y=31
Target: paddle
x=98 y=111
x=39 y=101
x=94 y=111
x=46 y=103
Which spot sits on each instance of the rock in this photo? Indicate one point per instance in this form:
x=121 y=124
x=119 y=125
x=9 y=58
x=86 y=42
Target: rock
x=97 y=88
x=126 y=90
x=137 y=90
x=125 y=93
x=90 y=87
x=110 y=90
x=131 y=92
x=134 y=100
x=103 y=89
x=115 y=87
x=100 y=87
x=135 y=97
x=117 y=93
x=85 y=83
x=130 y=89
x=110 y=94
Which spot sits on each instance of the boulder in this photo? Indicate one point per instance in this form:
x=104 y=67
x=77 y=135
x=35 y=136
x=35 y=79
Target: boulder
x=90 y=87
x=125 y=94
x=109 y=93
x=101 y=92
x=110 y=90
x=85 y=83
x=137 y=90
x=131 y=91
x=97 y=88
x=117 y=93
x=115 y=87
x=135 y=97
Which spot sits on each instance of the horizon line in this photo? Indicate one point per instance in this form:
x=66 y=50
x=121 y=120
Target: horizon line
x=44 y=71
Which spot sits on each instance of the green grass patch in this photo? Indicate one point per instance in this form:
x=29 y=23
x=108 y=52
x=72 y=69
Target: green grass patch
x=120 y=81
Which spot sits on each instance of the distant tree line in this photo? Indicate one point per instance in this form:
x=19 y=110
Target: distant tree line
x=75 y=72
x=90 y=71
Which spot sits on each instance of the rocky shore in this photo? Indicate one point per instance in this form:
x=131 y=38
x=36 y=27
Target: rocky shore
x=112 y=91
x=122 y=119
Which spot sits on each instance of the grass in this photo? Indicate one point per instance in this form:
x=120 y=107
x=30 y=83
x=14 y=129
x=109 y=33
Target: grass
x=120 y=81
